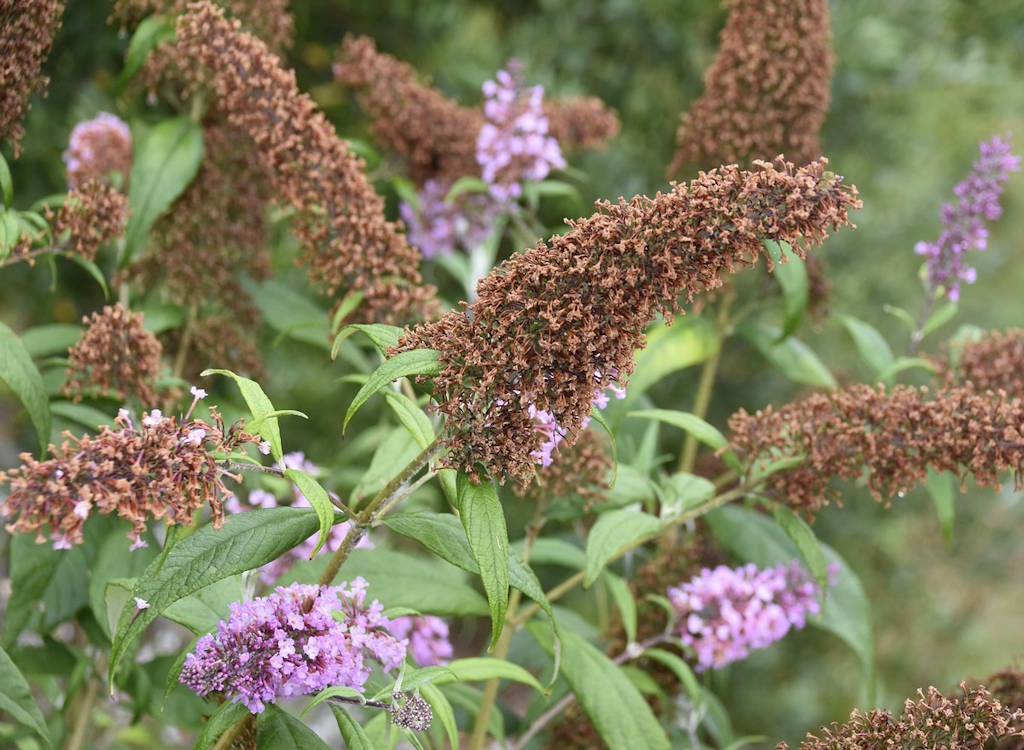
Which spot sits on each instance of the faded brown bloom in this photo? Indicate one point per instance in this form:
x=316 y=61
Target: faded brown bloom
x=897 y=435
x=581 y=122
x=436 y=135
x=580 y=470
x=993 y=362
x=967 y=720
x=163 y=468
x=97 y=149
x=267 y=19
x=339 y=219
x=767 y=92
x=92 y=214
x=27 y=28
x=1007 y=686
x=557 y=323
x=116 y=355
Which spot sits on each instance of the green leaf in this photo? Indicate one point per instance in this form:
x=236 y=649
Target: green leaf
x=6 y=183
x=291 y=314
x=320 y=501
x=10 y=232
x=200 y=612
x=617 y=709
x=245 y=541
x=165 y=162
x=939 y=318
x=86 y=416
x=114 y=560
x=443 y=712
x=522 y=577
x=226 y=716
x=694 y=425
x=791 y=273
x=337 y=691
x=405 y=189
x=623 y=597
x=20 y=374
x=404 y=364
x=755 y=538
x=349 y=304
x=614 y=532
x=278 y=730
x=669 y=349
x=92 y=269
x=469 y=699
x=16 y=698
x=465 y=184
x=383 y=336
x=682 y=492
x=484 y=521
x=791 y=356
x=680 y=668
x=441 y=533
x=806 y=542
x=55 y=338
x=260 y=407
x=353 y=735
x=43 y=580
x=480 y=668
x=903 y=315
x=552 y=551
x=940 y=488
x=150 y=32
x=412 y=417
x=158 y=317
x=871 y=346
x=905 y=363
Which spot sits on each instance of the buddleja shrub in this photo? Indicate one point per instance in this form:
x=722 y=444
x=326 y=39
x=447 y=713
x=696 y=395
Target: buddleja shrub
x=180 y=573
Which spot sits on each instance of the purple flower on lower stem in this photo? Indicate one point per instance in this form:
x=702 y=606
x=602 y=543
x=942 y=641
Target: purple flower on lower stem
x=296 y=641
x=438 y=227
x=725 y=613
x=977 y=201
x=553 y=433
x=427 y=636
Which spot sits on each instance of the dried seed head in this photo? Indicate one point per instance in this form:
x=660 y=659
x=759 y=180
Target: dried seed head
x=897 y=435
x=555 y=324
x=767 y=91
x=994 y=362
x=339 y=218
x=581 y=122
x=412 y=712
x=92 y=214
x=27 y=28
x=98 y=148
x=115 y=356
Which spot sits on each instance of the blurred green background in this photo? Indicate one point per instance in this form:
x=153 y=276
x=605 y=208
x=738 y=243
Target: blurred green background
x=917 y=85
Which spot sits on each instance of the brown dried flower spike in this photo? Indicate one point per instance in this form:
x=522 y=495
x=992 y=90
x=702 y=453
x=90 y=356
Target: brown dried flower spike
x=993 y=362
x=339 y=218
x=767 y=92
x=161 y=469
x=557 y=323
x=116 y=355
x=896 y=435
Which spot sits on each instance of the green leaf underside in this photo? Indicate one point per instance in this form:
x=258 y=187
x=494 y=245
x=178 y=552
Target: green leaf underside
x=20 y=374
x=16 y=698
x=613 y=532
x=404 y=364
x=483 y=518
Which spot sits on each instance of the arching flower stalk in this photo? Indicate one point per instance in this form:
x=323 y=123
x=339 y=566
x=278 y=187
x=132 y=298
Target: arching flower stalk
x=554 y=325
x=767 y=91
x=339 y=219
x=897 y=435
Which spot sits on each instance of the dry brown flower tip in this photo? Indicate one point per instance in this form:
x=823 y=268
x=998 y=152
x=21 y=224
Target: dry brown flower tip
x=581 y=122
x=92 y=214
x=163 y=468
x=436 y=135
x=27 y=28
x=1007 y=686
x=581 y=470
x=993 y=362
x=339 y=219
x=267 y=19
x=970 y=719
x=767 y=91
x=556 y=323
x=895 y=435
x=115 y=356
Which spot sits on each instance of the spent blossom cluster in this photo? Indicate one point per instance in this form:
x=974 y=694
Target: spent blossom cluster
x=296 y=641
x=97 y=148
x=553 y=433
x=963 y=219
x=725 y=613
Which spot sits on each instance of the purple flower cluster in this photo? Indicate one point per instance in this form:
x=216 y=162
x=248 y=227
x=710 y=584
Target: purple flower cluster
x=439 y=227
x=259 y=498
x=977 y=201
x=553 y=433
x=514 y=144
x=427 y=637
x=98 y=147
x=296 y=641
x=726 y=613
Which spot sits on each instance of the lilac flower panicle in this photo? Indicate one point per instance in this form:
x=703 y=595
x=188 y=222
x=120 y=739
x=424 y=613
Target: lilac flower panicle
x=291 y=643
x=513 y=144
x=725 y=613
x=439 y=228
x=98 y=147
x=427 y=636
x=963 y=220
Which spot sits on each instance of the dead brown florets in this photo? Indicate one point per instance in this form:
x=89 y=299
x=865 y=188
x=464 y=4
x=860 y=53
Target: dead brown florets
x=115 y=356
x=970 y=719
x=163 y=468
x=27 y=28
x=437 y=136
x=557 y=323
x=1007 y=686
x=580 y=470
x=581 y=122
x=92 y=214
x=993 y=362
x=895 y=435
x=767 y=91
x=339 y=219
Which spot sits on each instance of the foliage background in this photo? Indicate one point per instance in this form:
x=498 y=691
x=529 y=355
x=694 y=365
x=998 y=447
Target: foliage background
x=917 y=85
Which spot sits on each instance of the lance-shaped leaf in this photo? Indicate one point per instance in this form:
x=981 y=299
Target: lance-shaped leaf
x=405 y=364
x=484 y=521
x=20 y=374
